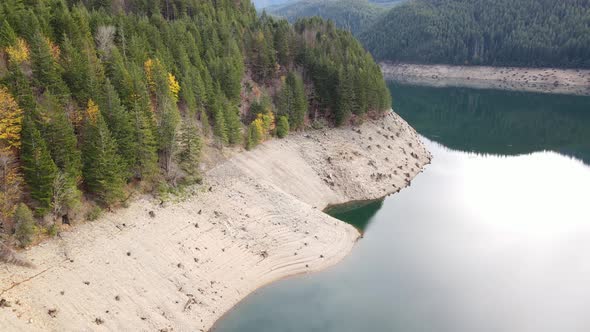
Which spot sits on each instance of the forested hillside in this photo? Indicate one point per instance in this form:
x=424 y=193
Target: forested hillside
x=489 y=32
x=352 y=15
x=261 y=4
x=104 y=98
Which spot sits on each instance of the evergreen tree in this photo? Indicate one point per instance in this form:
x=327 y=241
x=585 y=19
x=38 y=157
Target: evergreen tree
x=45 y=69
x=25 y=225
x=344 y=108
x=219 y=129
x=205 y=122
x=162 y=87
x=20 y=88
x=146 y=158
x=299 y=111
x=233 y=124
x=189 y=151
x=61 y=139
x=103 y=174
x=120 y=124
x=282 y=126
x=38 y=167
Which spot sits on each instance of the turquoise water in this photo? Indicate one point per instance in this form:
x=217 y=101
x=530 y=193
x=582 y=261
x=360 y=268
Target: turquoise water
x=493 y=236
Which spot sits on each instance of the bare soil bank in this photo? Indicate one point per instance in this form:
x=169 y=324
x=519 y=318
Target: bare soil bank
x=545 y=80
x=257 y=218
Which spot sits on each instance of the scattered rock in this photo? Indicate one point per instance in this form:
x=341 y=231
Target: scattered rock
x=152 y=214
x=52 y=313
x=4 y=303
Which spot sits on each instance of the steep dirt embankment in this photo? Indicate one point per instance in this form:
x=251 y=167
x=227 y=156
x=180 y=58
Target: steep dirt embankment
x=545 y=80
x=257 y=218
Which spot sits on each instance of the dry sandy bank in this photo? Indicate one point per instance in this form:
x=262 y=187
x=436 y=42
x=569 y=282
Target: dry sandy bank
x=256 y=219
x=546 y=80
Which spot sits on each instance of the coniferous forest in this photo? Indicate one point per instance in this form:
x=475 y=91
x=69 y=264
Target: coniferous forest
x=103 y=98
x=484 y=32
x=351 y=15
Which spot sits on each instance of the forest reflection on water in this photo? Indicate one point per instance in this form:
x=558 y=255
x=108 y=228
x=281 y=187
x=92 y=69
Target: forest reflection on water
x=497 y=122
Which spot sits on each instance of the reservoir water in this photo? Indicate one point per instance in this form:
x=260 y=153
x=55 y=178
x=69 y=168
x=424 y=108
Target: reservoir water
x=493 y=236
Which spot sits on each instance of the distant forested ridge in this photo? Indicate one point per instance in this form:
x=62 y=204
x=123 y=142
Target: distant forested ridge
x=484 y=32
x=103 y=98
x=261 y=4
x=352 y=15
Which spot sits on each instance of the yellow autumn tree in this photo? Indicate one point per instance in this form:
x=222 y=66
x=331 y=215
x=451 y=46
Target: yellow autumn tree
x=259 y=126
x=148 y=67
x=11 y=118
x=92 y=111
x=53 y=49
x=19 y=52
x=174 y=86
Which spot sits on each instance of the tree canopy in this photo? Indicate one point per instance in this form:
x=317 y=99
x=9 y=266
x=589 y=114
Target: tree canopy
x=102 y=97
x=484 y=32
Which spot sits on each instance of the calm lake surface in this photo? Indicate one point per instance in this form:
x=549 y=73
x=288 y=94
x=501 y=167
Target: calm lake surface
x=493 y=236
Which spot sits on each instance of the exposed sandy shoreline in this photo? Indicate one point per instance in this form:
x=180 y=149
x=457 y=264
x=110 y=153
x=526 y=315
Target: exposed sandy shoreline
x=258 y=218
x=546 y=80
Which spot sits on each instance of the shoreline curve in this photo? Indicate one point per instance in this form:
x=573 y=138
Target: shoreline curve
x=257 y=219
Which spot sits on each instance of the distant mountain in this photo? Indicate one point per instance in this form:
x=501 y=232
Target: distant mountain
x=262 y=4
x=351 y=15
x=491 y=32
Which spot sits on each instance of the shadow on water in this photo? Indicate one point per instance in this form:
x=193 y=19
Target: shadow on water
x=497 y=122
x=358 y=214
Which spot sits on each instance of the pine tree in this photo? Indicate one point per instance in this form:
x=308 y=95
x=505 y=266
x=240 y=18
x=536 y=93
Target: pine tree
x=120 y=124
x=219 y=128
x=146 y=158
x=102 y=170
x=205 y=122
x=189 y=151
x=164 y=91
x=61 y=139
x=297 y=116
x=38 y=167
x=7 y=35
x=25 y=225
x=20 y=89
x=45 y=69
x=233 y=124
x=344 y=108
x=282 y=126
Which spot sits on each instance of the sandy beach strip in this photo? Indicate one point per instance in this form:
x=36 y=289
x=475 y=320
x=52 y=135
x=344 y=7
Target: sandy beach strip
x=544 y=80
x=256 y=219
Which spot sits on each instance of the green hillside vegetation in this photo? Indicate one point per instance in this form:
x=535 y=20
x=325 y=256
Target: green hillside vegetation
x=106 y=97
x=261 y=4
x=484 y=32
x=352 y=15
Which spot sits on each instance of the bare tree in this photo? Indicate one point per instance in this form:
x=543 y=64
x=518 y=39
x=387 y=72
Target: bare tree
x=105 y=37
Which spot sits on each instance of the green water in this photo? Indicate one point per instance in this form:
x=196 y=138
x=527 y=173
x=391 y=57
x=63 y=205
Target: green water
x=497 y=122
x=493 y=236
